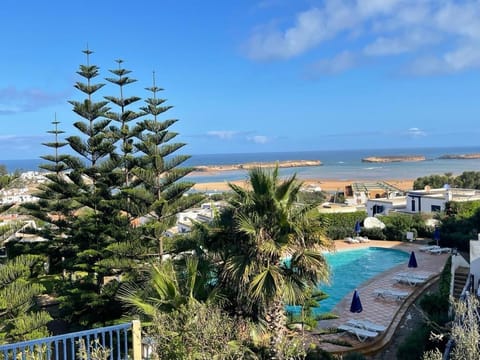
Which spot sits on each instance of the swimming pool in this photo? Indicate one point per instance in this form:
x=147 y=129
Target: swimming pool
x=349 y=269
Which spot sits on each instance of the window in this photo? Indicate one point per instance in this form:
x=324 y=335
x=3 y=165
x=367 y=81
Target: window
x=377 y=209
x=413 y=205
x=436 y=208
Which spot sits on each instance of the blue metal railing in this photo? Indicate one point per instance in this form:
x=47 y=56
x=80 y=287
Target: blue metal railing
x=113 y=340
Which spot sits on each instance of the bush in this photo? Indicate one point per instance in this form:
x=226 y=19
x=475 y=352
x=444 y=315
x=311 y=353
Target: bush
x=354 y=356
x=338 y=233
x=436 y=306
x=414 y=345
x=374 y=234
x=315 y=353
x=397 y=225
x=341 y=225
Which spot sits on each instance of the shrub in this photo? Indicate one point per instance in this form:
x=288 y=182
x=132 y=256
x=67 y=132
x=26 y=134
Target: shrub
x=338 y=233
x=414 y=345
x=397 y=225
x=315 y=353
x=341 y=225
x=374 y=233
x=354 y=356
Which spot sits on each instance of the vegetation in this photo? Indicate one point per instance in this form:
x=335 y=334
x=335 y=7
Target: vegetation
x=434 y=307
x=465 y=332
x=339 y=226
x=111 y=194
x=250 y=242
x=20 y=318
x=117 y=184
x=467 y=180
x=397 y=225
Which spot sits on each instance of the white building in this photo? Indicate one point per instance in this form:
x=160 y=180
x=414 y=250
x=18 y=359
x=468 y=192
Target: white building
x=434 y=200
x=384 y=206
x=204 y=214
x=16 y=196
x=421 y=201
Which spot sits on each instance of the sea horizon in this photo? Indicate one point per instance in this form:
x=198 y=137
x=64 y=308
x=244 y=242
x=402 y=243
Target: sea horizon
x=336 y=164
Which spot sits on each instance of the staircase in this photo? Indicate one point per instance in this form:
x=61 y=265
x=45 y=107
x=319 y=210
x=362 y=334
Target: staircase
x=461 y=276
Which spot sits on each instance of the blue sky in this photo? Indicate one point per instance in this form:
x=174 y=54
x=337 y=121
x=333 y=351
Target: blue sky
x=253 y=76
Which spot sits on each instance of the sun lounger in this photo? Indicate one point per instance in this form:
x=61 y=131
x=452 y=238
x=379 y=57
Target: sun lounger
x=361 y=334
x=440 y=251
x=362 y=239
x=418 y=275
x=367 y=325
x=351 y=240
x=409 y=280
x=391 y=294
x=428 y=248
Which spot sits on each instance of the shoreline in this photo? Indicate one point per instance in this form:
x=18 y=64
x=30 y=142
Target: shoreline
x=324 y=184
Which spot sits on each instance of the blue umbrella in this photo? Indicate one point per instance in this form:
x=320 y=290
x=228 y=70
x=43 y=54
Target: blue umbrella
x=412 y=262
x=357 y=227
x=356 y=306
x=436 y=235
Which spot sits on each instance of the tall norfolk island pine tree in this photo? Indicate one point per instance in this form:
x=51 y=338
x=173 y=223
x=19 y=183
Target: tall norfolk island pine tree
x=119 y=173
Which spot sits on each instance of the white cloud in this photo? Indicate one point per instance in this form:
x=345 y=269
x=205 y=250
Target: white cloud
x=462 y=58
x=339 y=63
x=258 y=139
x=439 y=36
x=416 y=132
x=373 y=7
x=402 y=44
x=307 y=32
x=222 y=134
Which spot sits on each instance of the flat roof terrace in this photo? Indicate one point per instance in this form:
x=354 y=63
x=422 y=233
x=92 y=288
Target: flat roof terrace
x=373 y=186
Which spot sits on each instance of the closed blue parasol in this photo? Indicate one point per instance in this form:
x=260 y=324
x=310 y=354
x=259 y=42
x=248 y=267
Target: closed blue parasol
x=436 y=235
x=412 y=262
x=357 y=227
x=356 y=306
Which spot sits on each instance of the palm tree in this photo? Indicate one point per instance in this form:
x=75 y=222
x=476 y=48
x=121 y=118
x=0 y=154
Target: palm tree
x=170 y=286
x=271 y=249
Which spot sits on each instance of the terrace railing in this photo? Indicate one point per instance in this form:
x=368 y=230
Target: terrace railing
x=117 y=342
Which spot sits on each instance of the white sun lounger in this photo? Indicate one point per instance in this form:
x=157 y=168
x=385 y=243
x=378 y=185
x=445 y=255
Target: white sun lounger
x=391 y=294
x=428 y=248
x=362 y=239
x=351 y=240
x=418 y=275
x=361 y=334
x=410 y=280
x=367 y=325
x=440 y=251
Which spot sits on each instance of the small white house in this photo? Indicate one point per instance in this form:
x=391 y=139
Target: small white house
x=421 y=201
x=434 y=200
x=383 y=206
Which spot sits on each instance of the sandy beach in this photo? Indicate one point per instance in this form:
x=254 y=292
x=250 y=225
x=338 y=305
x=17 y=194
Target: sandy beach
x=324 y=184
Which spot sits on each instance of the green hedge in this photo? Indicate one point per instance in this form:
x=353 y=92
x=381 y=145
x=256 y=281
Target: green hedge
x=341 y=225
x=397 y=225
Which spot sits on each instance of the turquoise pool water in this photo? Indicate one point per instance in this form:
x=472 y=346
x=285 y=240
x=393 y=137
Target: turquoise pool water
x=349 y=269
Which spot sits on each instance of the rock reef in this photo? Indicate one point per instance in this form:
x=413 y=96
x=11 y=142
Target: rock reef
x=388 y=159
x=461 y=156
x=248 y=166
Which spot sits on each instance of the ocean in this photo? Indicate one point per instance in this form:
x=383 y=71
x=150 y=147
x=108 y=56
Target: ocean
x=340 y=165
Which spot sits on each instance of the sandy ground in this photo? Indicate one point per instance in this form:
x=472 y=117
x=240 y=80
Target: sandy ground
x=324 y=184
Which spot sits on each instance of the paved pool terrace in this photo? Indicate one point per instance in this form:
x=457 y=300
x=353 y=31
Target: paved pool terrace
x=386 y=312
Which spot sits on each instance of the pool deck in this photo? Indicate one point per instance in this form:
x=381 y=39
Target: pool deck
x=386 y=312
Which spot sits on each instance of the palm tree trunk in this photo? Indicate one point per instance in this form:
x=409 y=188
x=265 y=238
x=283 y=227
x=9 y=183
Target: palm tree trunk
x=276 y=320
